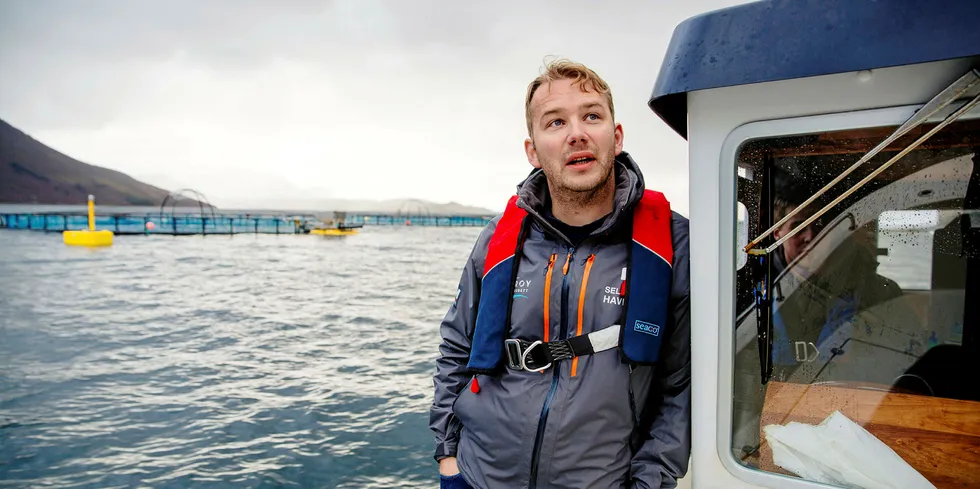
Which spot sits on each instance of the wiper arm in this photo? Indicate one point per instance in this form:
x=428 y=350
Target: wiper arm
x=952 y=93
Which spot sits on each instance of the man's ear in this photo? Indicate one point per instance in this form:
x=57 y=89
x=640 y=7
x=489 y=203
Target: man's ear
x=532 y=154
x=778 y=233
x=618 y=135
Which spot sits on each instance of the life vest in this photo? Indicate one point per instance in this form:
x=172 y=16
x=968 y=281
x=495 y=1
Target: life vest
x=648 y=279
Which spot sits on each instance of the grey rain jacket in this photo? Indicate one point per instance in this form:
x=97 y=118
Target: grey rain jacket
x=582 y=425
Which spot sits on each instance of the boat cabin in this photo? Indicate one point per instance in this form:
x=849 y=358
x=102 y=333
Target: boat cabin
x=834 y=162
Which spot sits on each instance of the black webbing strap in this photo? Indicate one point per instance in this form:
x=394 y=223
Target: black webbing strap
x=538 y=355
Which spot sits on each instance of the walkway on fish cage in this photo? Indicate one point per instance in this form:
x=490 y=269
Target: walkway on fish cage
x=220 y=223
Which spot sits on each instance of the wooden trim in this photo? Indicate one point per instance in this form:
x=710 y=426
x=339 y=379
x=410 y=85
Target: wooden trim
x=938 y=437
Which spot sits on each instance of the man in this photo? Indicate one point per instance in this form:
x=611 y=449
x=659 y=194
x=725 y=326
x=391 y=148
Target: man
x=790 y=193
x=818 y=307
x=565 y=359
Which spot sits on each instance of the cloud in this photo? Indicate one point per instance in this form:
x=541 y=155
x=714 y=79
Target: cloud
x=362 y=99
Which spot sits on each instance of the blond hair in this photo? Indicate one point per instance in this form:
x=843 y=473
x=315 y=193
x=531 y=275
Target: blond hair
x=563 y=69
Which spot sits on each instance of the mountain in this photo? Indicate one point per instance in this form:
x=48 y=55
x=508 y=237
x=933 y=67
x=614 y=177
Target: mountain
x=32 y=173
x=406 y=207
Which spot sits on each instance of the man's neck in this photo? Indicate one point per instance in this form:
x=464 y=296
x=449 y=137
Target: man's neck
x=581 y=208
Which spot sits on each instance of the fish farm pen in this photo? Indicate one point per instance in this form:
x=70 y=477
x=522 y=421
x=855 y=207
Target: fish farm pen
x=220 y=224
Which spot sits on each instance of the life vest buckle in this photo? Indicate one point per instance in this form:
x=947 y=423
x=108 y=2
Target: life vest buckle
x=518 y=352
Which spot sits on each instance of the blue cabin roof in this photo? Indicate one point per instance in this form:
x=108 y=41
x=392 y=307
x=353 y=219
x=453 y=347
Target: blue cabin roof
x=786 y=39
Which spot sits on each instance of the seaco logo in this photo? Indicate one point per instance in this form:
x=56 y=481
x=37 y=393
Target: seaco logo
x=650 y=329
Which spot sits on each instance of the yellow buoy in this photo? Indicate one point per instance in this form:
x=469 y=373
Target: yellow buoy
x=333 y=232
x=89 y=237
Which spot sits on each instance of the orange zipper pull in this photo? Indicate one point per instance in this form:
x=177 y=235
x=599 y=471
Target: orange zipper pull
x=475 y=386
x=564 y=269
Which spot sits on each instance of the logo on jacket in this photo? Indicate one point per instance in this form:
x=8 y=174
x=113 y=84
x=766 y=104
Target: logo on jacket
x=612 y=296
x=521 y=288
x=648 y=328
x=456 y=300
x=613 y=293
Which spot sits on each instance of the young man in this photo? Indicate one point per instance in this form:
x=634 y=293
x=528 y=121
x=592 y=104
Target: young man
x=790 y=191
x=565 y=359
x=813 y=319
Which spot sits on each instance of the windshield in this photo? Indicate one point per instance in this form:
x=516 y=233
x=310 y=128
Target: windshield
x=869 y=306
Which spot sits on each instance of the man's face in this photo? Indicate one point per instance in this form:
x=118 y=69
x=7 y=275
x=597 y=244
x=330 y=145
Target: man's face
x=794 y=246
x=574 y=138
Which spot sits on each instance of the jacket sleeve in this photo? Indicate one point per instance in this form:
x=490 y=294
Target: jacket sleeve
x=456 y=332
x=663 y=457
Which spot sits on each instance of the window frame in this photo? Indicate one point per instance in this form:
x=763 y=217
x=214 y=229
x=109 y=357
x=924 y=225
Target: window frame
x=728 y=203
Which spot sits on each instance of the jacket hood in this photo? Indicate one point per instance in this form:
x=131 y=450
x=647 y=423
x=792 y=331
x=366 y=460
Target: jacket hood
x=534 y=197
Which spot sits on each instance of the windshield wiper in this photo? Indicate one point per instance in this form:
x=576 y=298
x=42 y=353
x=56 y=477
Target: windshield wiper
x=760 y=261
x=952 y=93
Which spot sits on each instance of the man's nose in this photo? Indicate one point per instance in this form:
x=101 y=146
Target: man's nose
x=806 y=234
x=576 y=133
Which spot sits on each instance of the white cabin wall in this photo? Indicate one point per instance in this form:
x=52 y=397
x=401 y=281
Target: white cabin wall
x=712 y=116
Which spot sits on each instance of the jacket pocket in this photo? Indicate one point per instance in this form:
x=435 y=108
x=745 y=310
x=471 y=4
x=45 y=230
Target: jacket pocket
x=498 y=425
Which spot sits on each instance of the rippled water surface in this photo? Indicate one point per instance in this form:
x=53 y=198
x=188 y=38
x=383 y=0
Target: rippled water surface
x=245 y=361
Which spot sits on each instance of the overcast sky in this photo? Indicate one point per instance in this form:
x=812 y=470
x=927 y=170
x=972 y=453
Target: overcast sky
x=347 y=99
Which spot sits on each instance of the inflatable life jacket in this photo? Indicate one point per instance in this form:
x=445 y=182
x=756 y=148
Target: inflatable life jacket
x=643 y=325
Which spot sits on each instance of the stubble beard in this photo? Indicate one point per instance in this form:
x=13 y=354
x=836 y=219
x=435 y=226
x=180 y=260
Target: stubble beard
x=587 y=195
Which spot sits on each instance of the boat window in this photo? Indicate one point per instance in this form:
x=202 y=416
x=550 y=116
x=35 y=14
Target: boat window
x=872 y=315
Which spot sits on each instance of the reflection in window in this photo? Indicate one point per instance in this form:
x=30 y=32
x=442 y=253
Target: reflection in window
x=870 y=315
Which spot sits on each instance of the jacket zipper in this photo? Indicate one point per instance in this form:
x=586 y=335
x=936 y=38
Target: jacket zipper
x=581 y=305
x=547 y=295
x=563 y=332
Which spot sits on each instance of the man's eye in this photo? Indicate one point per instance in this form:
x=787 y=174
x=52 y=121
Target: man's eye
x=592 y=117
x=555 y=122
